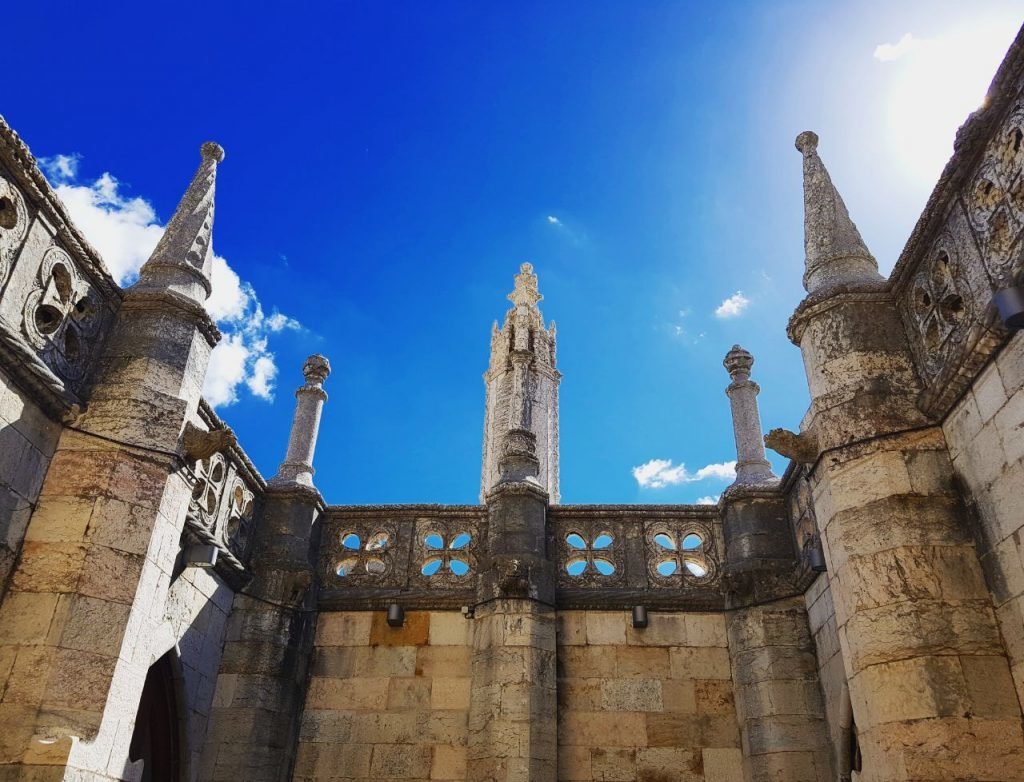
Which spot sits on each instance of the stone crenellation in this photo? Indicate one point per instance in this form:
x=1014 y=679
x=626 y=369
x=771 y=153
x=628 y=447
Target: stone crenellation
x=169 y=614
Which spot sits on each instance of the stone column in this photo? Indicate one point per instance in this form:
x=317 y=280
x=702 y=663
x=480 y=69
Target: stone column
x=751 y=464
x=297 y=467
x=512 y=716
x=257 y=705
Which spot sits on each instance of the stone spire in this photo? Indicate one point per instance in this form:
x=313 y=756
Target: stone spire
x=835 y=251
x=522 y=386
x=751 y=464
x=297 y=467
x=183 y=258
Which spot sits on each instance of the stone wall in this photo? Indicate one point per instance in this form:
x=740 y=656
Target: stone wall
x=387 y=703
x=649 y=705
x=985 y=434
x=27 y=441
x=821 y=616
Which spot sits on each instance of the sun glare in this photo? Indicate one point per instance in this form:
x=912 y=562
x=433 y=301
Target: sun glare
x=935 y=83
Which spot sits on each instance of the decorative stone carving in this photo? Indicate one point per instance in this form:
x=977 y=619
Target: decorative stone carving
x=201 y=444
x=444 y=553
x=62 y=316
x=995 y=201
x=589 y=556
x=939 y=307
x=366 y=553
x=241 y=509
x=680 y=553
x=13 y=224
x=210 y=474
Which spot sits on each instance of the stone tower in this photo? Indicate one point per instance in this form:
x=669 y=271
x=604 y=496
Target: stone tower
x=522 y=385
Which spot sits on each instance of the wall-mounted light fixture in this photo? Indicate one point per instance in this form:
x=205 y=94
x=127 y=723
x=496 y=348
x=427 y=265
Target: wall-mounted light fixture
x=201 y=556
x=396 y=615
x=816 y=557
x=1010 y=303
x=640 y=617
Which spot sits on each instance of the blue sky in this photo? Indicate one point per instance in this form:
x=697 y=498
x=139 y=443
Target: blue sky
x=389 y=166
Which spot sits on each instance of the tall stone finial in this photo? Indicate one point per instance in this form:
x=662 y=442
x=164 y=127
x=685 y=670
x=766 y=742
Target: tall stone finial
x=297 y=467
x=522 y=386
x=835 y=251
x=525 y=292
x=751 y=464
x=183 y=258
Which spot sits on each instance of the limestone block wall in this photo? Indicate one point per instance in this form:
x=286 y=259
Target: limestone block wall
x=198 y=605
x=985 y=435
x=821 y=617
x=649 y=705
x=27 y=441
x=387 y=703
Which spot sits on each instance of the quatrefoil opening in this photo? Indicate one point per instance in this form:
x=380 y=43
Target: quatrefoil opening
x=446 y=556
x=589 y=556
x=675 y=557
x=363 y=556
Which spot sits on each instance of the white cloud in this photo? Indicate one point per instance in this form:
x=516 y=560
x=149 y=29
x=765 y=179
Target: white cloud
x=552 y=220
x=887 y=52
x=659 y=473
x=125 y=230
x=732 y=307
x=707 y=500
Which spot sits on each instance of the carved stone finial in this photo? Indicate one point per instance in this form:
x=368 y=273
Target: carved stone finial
x=738 y=363
x=835 y=252
x=316 y=369
x=807 y=141
x=801 y=448
x=525 y=291
x=211 y=150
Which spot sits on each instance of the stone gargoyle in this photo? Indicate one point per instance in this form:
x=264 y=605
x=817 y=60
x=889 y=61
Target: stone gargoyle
x=801 y=448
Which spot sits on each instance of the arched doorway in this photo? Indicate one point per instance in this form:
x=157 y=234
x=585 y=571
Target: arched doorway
x=156 y=740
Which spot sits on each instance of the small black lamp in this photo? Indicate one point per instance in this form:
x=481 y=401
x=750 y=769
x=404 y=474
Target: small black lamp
x=396 y=615
x=640 y=617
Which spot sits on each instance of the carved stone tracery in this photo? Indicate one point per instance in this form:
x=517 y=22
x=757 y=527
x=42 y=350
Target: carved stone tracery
x=995 y=201
x=13 y=224
x=940 y=304
x=62 y=316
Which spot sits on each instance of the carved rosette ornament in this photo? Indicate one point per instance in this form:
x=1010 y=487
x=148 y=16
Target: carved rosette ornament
x=938 y=304
x=13 y=224
x=995 y=201
x=62 y=316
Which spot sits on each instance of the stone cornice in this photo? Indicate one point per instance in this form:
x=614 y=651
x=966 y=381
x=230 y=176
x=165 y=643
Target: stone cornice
x=175 y=304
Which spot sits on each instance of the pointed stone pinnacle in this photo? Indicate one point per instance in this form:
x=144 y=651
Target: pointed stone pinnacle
x=183 y=258
x=835 y=252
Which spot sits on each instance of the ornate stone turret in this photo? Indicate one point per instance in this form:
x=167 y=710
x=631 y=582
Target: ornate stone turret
x=522 y=386
x=183 y=258
x=297 y=467
x=136 y=442
x=836 y=254
x=751 y=464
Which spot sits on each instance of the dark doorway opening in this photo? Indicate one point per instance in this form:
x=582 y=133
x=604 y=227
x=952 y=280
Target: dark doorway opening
x=155 y=740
